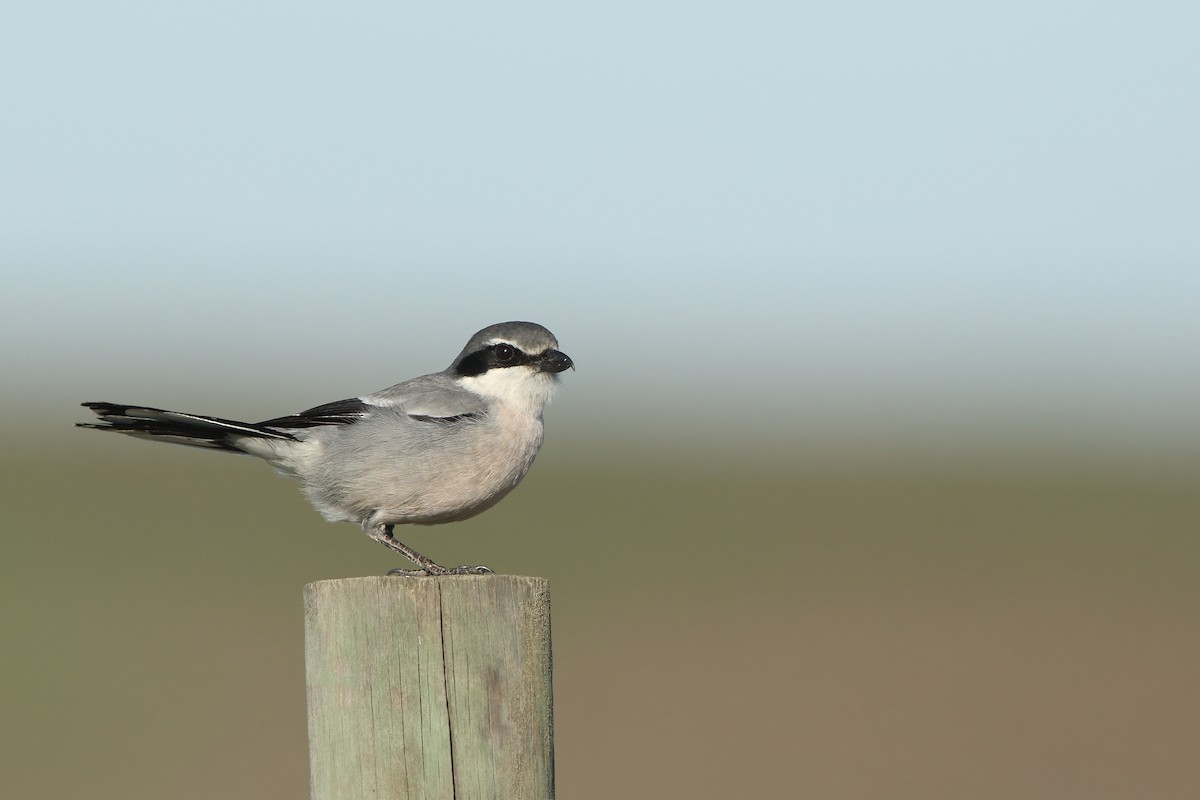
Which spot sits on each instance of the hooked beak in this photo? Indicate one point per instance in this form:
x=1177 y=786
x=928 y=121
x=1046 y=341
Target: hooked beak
x=554 y=361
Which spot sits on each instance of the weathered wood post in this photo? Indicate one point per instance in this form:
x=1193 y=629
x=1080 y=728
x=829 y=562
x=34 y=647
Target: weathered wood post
x=429 y=688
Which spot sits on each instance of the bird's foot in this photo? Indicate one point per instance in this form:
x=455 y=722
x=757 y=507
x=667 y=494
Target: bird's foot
x=426 y=566
x=434 y=569
x=478 y=569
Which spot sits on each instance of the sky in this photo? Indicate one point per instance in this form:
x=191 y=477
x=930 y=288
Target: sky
x=836 y=217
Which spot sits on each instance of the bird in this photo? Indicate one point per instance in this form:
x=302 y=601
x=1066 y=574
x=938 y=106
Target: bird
x=433 y=449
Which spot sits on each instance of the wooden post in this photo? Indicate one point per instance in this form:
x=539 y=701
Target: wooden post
x=429 y=688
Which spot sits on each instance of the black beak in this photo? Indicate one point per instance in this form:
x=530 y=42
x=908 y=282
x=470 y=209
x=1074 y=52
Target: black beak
x=554 y=361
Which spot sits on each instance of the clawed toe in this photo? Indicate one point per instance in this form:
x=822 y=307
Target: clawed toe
x=409 y=573
x=466 y=570
x=433 y=569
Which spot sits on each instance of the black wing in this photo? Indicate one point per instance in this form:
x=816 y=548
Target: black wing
x=340 y=412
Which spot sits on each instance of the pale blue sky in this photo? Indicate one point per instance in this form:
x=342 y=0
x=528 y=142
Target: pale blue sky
x=857 y=212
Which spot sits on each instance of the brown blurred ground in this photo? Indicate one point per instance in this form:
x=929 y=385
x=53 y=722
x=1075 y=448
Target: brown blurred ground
x=722 y=628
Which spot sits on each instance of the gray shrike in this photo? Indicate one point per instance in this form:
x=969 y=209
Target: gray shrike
x=433 y=449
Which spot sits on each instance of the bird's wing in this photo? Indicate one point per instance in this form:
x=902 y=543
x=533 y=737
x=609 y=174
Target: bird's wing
x=339 y=412
x=430 y=398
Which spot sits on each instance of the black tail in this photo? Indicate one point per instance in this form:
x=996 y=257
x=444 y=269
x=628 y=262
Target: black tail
x=173 y=426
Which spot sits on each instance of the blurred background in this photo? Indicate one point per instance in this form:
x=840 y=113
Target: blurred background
x=880 y=471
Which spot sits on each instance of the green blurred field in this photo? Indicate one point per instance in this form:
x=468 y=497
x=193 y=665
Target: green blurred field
x=723 y=627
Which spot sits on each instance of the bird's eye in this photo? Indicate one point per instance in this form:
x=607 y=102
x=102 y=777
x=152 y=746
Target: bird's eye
x=505 y=352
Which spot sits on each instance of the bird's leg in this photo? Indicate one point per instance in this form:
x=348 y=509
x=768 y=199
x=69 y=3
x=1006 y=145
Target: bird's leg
x=383 y=535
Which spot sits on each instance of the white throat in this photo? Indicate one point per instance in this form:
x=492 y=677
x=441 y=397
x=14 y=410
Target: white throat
x=520 y=390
